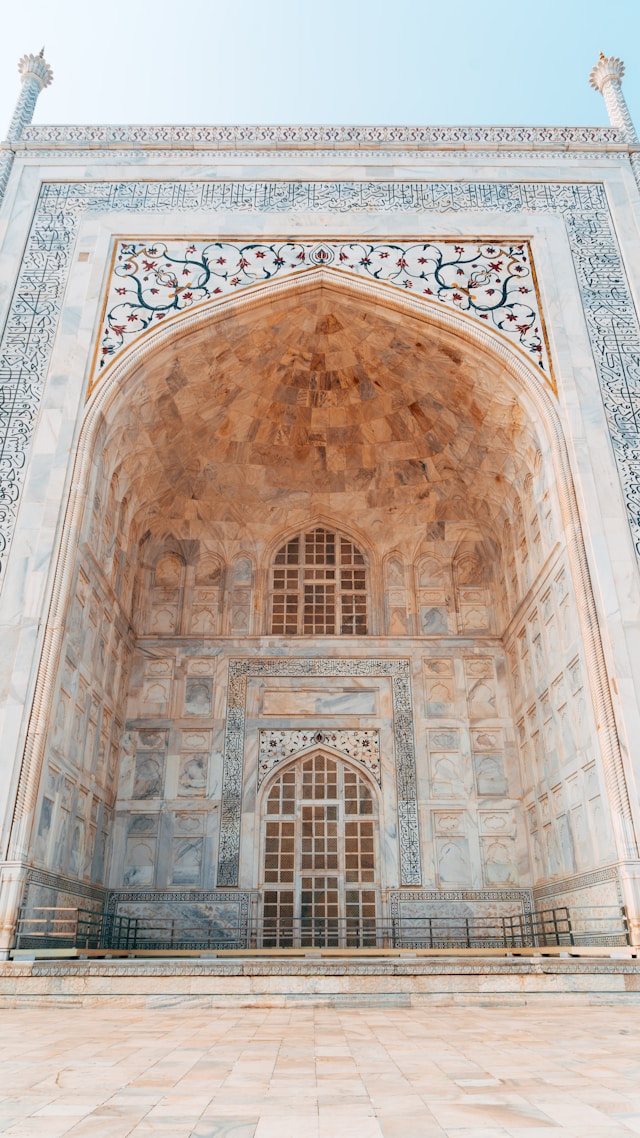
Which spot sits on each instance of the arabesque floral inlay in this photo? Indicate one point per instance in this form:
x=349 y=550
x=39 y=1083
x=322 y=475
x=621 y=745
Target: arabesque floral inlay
x=154 y=280
x=276 y=745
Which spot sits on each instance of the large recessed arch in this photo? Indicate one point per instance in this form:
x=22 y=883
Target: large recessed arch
x=480 y=385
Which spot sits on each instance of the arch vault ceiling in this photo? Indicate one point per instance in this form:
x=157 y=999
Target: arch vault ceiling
x=321 y=402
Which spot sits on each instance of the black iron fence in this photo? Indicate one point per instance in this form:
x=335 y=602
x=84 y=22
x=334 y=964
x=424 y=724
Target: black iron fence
x=58 y=927
x=79 y=928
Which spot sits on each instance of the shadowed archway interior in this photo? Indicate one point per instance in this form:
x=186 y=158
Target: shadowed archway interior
x=321 y=412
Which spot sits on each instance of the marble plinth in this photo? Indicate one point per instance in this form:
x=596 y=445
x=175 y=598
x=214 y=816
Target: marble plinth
x=282 y=982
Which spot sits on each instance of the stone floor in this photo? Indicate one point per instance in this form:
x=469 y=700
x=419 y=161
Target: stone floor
x=321 y=1073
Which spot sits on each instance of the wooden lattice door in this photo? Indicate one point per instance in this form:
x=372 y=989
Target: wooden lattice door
x=320 y=885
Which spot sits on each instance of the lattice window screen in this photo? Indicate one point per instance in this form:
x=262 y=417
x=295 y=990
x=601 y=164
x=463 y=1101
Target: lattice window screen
x=319 y=855
x=319 y=587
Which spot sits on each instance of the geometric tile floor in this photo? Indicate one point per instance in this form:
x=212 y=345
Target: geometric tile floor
x=501 y=1072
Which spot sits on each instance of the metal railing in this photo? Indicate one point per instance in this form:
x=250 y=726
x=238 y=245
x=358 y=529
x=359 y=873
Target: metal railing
x=520 y=930
x=66 y=927
x=167 y=933
x=594 y=926
x=604 y=925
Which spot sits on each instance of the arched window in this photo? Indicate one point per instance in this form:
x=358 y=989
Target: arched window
x=319 y=587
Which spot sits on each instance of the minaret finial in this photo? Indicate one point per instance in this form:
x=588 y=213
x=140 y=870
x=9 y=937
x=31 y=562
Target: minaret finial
x=36 y=75
x=36 y=67
x=606 y=77
x=608 y=69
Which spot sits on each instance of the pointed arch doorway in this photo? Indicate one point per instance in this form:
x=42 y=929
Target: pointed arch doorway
x=319 y=863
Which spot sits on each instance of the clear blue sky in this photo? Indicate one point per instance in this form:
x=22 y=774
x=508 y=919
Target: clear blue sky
x=295 y=61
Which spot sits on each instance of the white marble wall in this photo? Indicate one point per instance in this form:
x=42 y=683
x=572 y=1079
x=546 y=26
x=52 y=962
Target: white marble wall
x=559 y=779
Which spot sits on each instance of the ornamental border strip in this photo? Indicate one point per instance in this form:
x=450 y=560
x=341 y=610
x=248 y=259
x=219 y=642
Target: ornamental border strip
x=240 y=898
x=397 y=898
x=314 y=134
x=398 y=671
x=579 y=881
x=34 y=311
x=62 y=884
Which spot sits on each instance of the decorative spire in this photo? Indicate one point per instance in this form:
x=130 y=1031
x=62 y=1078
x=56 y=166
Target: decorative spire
x=606 y=77
x=37 y=66
x=36 y=75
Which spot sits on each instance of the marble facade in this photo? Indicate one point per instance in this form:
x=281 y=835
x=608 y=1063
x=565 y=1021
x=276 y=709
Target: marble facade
x=226 y=358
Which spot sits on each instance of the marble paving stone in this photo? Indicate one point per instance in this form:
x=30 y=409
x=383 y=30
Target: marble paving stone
x=320 y=1073
x=482 y=1132
x=456 y=1116
x=35 y=1127
x=170 y=1127
x=64 y=1110
x=573 y=1132
x=410 y=1126
x=287 y=1127
x=224 y=1128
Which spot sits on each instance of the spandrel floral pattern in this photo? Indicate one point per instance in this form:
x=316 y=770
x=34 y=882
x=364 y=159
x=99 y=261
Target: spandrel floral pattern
x=278 y=745
x=155 y=280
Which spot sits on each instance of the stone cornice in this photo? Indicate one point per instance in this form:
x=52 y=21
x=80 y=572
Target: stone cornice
x=332 y=137
x=111 y=155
